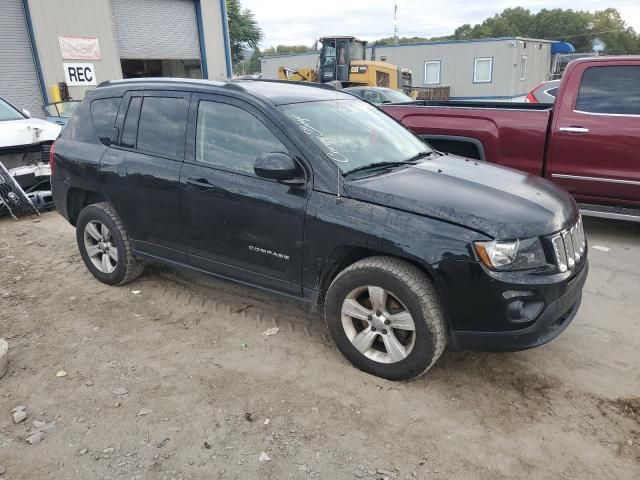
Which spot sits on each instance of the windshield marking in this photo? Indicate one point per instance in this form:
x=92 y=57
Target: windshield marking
x=332 y=151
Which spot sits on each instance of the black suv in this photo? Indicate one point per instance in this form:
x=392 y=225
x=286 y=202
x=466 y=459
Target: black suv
x=312 y=193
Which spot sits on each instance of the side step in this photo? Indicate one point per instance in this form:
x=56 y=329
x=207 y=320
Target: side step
x=606 y=211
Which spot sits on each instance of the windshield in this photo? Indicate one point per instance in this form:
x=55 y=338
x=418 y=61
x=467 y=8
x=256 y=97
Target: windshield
x=7 y=112
x=353 y=133
x=396 y=96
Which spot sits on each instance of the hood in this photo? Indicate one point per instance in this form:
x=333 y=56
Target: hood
x=28 y=131
x=497 y=201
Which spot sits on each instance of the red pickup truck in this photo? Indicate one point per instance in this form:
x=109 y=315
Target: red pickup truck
x=588 y=141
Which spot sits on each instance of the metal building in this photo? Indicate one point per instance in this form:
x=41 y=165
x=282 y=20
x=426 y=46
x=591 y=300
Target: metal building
x=488 y=68
x=86 y=42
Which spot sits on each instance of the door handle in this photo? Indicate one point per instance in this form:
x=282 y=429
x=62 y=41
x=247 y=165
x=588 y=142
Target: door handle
x=200 y=183
x=574 y=129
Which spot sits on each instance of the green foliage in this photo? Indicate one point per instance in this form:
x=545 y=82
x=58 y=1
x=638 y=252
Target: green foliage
x=244 y=32
x=391 y=40
x=575 y=26
x=286 y=49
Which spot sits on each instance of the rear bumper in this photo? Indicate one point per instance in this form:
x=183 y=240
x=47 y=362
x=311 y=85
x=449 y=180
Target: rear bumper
x=554 y=319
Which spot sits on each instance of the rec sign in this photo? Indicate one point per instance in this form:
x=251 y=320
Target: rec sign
x=79 y=74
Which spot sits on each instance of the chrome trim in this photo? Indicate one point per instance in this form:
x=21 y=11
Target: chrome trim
x=610 y=215
x=574 y=129
x=596 y=179
x=607 y=114
x=569 y=246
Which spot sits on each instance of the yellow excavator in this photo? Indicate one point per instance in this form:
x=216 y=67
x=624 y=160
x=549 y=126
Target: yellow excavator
x=342 y=61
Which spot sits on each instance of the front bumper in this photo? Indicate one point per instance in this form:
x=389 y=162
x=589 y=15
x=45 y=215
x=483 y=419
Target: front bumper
x=561 y=305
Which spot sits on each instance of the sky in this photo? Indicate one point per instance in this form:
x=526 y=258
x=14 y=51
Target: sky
x=301 y=22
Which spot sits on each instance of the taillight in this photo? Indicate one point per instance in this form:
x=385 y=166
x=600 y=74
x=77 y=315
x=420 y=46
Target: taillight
x=52 y=154
x=531 y=98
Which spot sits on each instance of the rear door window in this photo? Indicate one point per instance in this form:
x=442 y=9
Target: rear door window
x=610 y=90
x=161 y=130
x=156 y=125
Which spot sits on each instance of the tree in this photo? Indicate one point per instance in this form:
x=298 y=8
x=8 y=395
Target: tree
x=244 y=32
x=580 y=28
x=286 y=49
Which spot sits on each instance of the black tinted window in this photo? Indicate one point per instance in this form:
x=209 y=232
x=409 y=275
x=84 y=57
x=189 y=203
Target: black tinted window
x=80 y=127
x=130 y=128
x=552 y=91
x=232 y=138
x=162 y=126
x=610 y=90
x=103 y=113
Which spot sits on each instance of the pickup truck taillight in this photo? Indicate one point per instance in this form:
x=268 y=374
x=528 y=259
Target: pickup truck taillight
x=52 y=153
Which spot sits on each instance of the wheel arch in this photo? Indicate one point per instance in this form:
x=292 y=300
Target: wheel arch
x=345 y=255
x=77 y=199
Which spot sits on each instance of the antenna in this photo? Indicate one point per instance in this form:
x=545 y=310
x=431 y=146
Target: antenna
x=395 y=23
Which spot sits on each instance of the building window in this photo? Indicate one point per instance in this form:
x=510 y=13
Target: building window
x=432 y=72
x=523 y=67
x=483 y=70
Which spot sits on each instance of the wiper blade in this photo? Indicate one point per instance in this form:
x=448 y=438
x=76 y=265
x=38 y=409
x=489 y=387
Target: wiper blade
x=376 y=166
x=420 y=155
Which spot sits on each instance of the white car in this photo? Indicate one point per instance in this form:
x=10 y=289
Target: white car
x=24 y=154
x=17 y=128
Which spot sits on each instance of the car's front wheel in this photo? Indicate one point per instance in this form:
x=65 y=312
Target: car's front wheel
x=385 y=316
x=105 y=246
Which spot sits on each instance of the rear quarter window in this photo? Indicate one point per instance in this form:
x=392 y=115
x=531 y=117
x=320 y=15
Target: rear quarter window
x=80 y=127
x=103 y=114
x=610 y=90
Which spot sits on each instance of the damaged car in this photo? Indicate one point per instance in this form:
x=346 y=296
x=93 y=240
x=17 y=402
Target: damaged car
x=24 y=160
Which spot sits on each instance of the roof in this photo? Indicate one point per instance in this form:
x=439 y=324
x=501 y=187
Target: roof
x=276 y=92
x=435 y=42
x=471 y=40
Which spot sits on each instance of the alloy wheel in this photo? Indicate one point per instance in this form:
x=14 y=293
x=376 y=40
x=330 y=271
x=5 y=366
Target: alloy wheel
x=378 y=324
x=100 y=246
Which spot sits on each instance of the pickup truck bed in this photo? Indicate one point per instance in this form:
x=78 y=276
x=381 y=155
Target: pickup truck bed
x=510 y=134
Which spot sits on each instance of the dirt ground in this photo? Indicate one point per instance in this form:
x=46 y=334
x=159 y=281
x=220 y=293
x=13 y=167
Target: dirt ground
x=190 y=349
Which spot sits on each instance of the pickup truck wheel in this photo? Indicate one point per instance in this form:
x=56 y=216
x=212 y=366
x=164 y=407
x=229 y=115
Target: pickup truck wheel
x=384 y=315
x=104 y=245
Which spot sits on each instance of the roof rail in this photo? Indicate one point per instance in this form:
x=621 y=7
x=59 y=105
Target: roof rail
x=326 y=86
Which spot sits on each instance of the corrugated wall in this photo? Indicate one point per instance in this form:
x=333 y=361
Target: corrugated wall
x=156 y=29
x=18 y=78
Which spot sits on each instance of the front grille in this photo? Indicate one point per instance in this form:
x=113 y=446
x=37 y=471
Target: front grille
x=569 y=246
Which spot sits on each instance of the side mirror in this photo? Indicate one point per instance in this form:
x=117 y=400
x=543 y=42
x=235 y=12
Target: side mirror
x=27 y=113
x=278 y=166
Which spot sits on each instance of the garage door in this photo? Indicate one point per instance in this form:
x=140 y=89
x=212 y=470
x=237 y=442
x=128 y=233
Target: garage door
x=18 y=79
x=156 y=29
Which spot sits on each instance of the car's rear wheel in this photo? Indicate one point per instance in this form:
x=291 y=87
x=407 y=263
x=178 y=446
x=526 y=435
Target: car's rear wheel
x=105 y=246
x=384 y=315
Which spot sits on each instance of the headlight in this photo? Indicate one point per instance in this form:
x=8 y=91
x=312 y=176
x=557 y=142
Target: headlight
x=511 y=255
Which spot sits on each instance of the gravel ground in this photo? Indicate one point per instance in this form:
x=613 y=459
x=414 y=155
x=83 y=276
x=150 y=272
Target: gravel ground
x=177 y=381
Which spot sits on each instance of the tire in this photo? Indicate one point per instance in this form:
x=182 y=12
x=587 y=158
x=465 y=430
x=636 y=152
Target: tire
x=394 y=353
x=124 y=267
